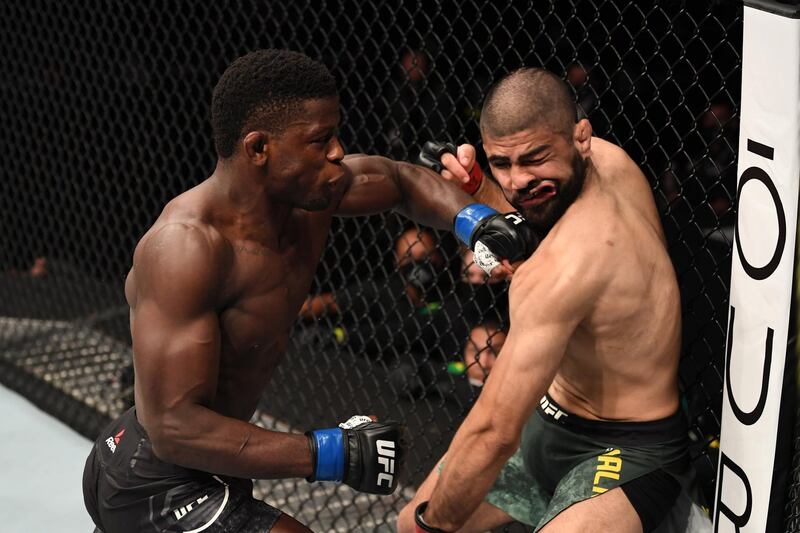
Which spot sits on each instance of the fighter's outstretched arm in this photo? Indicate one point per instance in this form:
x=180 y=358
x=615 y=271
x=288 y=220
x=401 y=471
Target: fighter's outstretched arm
x=378 y=184
x=549 y=296
x=375 y=184
x=179 y=272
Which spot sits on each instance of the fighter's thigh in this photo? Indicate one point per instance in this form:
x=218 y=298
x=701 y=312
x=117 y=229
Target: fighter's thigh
x=611 y=511
x=485 y=517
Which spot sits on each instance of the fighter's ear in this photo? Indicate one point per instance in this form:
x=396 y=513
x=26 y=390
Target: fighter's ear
x=256 y=147
x=582 y=137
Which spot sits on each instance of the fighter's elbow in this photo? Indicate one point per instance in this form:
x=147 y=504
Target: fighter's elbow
x=165 y=437
x=505 y=442
x=500 y=438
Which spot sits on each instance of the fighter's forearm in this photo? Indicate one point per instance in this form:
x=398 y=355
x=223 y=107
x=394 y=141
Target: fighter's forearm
x=428 y=199
x=475 y=457
x=489 y=193
x=196 y=437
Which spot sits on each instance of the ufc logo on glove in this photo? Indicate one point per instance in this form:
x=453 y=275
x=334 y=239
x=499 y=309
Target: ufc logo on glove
x=385 y=450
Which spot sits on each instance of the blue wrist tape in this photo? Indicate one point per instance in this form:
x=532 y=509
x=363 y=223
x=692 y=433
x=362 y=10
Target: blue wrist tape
x=468 y=218
x=330 y=454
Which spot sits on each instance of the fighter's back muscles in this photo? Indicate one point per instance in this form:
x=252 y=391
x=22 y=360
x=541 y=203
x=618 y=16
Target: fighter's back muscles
x=551 y=294
x=180 y=270
x=626 y=356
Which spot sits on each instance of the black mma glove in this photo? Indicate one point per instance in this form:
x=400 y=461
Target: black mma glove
x=493 y=236
x=364 y=454
x=431 y=157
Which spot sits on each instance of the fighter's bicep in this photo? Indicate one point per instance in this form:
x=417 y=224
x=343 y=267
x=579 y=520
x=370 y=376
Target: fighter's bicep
x=548 y=301
x=175 y=326
x=372 y=186
x=177 y=357
x=369 y=194
x=556 y=288
x=524 y=368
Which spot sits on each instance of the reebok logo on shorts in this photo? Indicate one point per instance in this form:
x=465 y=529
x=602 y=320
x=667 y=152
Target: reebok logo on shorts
x=112 y=442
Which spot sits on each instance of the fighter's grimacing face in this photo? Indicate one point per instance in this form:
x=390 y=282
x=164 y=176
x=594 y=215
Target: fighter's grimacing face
x=540 y=171
x=304 y=163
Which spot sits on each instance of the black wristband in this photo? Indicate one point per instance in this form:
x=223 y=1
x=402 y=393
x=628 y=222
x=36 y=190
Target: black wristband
x=421 y=525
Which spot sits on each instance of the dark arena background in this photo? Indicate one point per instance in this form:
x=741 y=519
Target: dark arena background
x=105 y=117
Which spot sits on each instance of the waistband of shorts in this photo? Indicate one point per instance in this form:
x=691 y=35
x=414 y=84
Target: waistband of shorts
x=612 y=431
x=130 y=419
x=127 y=433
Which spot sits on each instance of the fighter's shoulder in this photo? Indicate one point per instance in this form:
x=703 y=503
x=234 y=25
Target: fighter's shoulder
x=555 y=286
x=613 y=162
x=184 y=236
x=585 y=229
x=181 y=251
x=610 y=153
x=576 y=252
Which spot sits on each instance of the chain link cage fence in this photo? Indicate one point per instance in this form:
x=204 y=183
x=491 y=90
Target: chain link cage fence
x=105 y=117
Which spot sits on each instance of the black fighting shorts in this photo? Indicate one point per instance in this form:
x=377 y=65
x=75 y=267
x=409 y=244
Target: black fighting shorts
x=127 y=489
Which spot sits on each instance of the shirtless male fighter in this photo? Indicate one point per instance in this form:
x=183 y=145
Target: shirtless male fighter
x=577 y=428
x=215 y=286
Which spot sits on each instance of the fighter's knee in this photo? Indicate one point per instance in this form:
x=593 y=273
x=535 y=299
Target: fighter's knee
x=405 y=520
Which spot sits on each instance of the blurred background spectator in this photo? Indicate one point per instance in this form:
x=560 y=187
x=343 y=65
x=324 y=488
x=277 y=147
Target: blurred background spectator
x=481 y=350
x=375 y=313
x=417 y=318
x=578 y=78
x=704 y=175
x=418 y=106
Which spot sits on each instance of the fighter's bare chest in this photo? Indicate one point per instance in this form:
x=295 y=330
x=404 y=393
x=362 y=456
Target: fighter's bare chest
x=266 y=290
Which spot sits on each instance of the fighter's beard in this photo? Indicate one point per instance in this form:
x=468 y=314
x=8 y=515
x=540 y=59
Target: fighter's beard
x=545 y=216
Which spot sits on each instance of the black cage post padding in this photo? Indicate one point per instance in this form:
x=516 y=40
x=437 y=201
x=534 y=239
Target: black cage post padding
x=105 y=117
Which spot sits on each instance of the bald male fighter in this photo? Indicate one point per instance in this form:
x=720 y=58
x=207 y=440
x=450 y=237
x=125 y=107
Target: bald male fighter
x=577 y=428
x=215 y=286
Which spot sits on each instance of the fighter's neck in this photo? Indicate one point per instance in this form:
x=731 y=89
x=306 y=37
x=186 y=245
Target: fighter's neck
x=592 y=175
x=243 y=204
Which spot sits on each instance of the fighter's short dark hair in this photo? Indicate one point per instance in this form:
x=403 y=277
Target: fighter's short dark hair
x=526 y=98
x=262 y=89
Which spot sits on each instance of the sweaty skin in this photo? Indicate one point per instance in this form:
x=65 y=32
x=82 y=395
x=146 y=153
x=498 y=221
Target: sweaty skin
x=219 y=278
x=620 y=360
x=594 y=320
